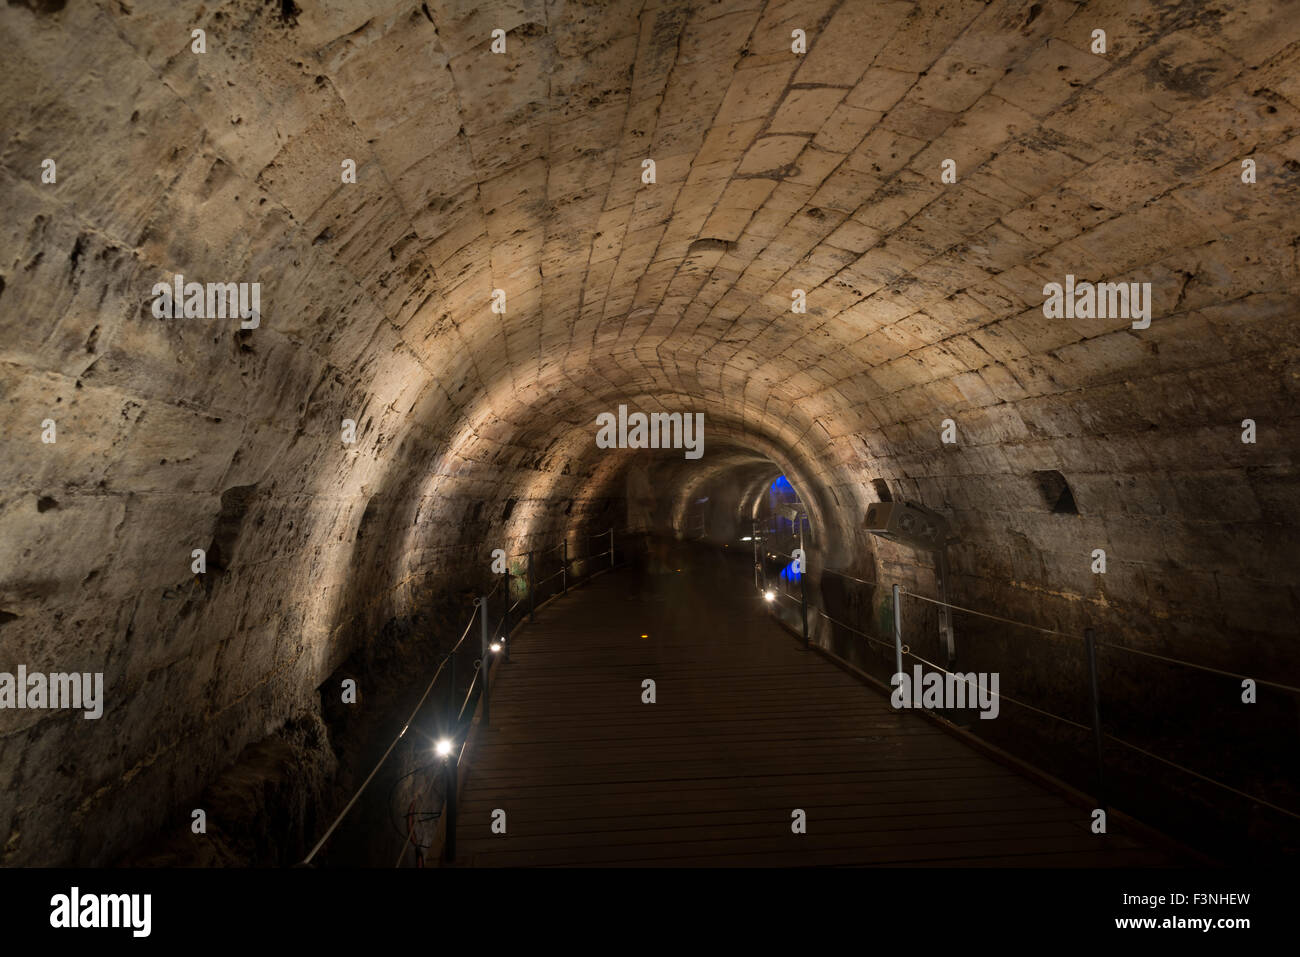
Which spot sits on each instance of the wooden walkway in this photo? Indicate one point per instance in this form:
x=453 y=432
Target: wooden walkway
x=747 y=727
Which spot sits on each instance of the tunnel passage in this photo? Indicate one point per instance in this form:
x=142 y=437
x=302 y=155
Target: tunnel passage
x=849 y=252
x=660 y=718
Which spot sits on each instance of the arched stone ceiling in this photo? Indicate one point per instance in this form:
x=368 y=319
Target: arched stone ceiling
x=522 y=171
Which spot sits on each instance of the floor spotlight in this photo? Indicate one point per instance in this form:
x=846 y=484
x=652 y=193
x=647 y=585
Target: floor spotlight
x=769 y=595
x=443 y=747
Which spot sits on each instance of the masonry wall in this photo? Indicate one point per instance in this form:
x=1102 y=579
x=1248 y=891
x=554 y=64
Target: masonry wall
x=522 y=172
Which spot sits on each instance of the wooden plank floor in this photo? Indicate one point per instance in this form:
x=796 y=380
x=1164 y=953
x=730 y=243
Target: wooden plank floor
x=747 y=727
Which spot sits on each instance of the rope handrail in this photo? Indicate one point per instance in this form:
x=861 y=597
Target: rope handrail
x=829 y=571
x=469 y=693
x=996 y=694
x=1210 y=780
x=1081 y=727
x=983 y=614
x=1192 y=664
x=405 y=727
x=863 y=581
x=1107 y=644
x=479 y=603
x=572 y=559
x=887 y=644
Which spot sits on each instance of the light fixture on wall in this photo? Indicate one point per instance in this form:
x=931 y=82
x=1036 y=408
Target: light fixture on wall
x=922 y=528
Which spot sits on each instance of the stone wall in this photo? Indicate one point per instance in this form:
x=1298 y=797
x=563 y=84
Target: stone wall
x=523 y=172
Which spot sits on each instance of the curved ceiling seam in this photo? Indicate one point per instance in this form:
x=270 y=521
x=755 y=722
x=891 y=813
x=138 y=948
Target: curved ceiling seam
x=710 y=413
x=706 y=279
x=573 y=438
x=637 y=92
x=850 y=378
x=802 y=206
x=590 y=243
x=549 y=154
x=1173 y=187
x=1099 y=381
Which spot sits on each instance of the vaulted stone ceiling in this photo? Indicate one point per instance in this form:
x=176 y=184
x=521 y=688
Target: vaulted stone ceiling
x=522 y=171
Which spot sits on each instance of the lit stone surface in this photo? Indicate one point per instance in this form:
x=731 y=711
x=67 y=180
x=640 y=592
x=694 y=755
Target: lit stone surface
x=522 y=172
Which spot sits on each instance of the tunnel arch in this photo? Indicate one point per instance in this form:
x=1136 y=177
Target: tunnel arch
x=925 y=305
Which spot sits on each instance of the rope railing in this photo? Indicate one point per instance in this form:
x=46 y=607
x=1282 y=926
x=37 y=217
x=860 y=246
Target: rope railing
x=1191 y=664
x=584 y=558
x=1196 y=774
x=997 y=694
x=905 y=650
x=469 y=693
x=1110 y=644
x=1066 y=634
x=828 y=571
x=478 y=682
x=1090 y=643
x=982 y=614
x=887 y=644
x=861 y=581
x=401 y=734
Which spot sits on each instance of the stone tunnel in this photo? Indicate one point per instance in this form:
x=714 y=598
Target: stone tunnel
x=310 y=312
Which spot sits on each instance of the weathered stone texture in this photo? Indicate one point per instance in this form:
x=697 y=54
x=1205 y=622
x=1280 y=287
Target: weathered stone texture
x=522 y=172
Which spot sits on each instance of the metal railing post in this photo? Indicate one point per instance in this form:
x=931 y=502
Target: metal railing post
x=803 y=587
x=803 y=608
x=754 y=538
x=1091 y=644
x=532 y=595
x=486 y=659
x=898 y=630
x=945 y=613
x=564 y=567
x=451 y=784
x=448 y=773
x=611 y=548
